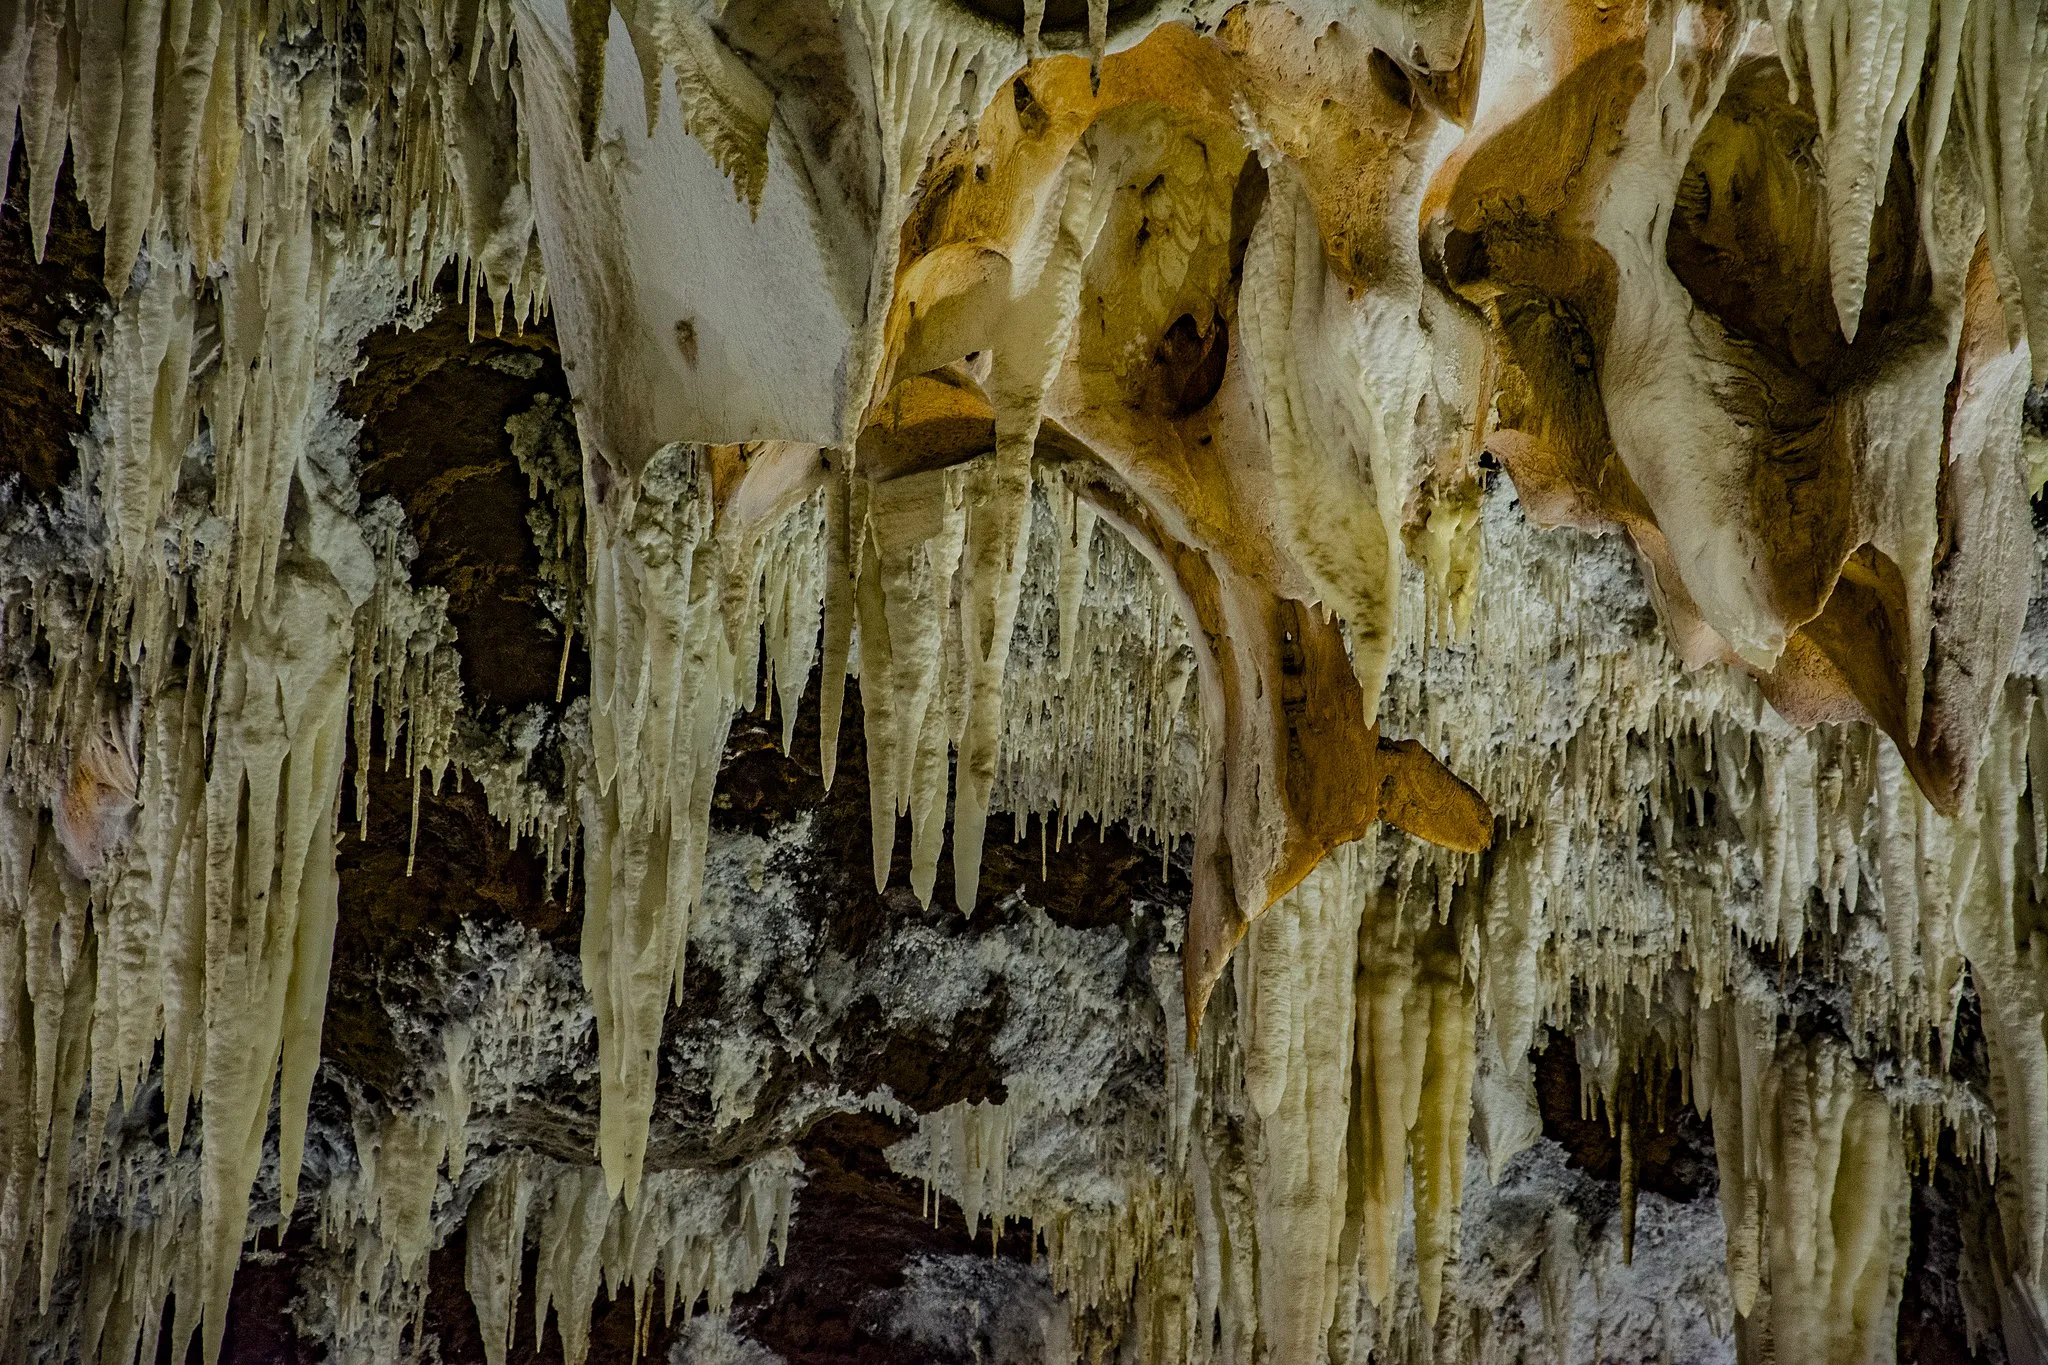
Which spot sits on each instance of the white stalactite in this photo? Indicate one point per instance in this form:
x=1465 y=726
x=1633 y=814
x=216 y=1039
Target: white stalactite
x=1296 y=999
x=1029 y=348
x=662 y=696
x=742 y=269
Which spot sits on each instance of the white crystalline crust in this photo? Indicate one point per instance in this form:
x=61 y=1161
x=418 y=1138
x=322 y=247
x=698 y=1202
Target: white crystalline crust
x=1540 y=1277
x=971 y=1307
x=710 y=1340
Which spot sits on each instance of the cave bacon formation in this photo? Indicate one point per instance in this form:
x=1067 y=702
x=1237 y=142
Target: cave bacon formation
x=1257 y=426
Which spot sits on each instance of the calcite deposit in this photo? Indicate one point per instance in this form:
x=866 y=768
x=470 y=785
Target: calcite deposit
x=1229 y=682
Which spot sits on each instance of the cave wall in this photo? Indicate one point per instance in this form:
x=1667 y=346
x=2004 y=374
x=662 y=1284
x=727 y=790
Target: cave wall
x=1482 y=557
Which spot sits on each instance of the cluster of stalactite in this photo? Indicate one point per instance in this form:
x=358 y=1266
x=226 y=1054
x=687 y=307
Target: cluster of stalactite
x=1176 y=345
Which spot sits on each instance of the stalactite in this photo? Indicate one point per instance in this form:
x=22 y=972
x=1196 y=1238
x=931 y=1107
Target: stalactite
x=378 y=1220
x=2004 y=963
x=705 y=1234
x=214 y=915
x=1413 y=1098
x=1098 y=720
x=662 y=695
x=1029 y=348
x=1070 y=379
x=495 y=1246
x=911 y=534
x=1296 y=1006
x=666 y=678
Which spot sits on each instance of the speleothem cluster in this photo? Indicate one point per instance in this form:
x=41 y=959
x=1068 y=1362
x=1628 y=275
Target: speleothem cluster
x=1521 y=509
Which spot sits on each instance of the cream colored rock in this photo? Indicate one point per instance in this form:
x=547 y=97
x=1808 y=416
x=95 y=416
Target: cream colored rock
x=1115 y=390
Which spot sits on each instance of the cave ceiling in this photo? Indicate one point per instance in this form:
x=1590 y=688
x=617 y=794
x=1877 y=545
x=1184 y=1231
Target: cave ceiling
x=800 y=681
